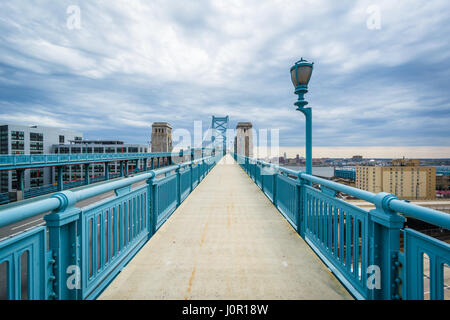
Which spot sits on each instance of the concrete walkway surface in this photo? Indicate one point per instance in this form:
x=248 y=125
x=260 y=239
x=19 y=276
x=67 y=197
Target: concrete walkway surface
x=226 y=241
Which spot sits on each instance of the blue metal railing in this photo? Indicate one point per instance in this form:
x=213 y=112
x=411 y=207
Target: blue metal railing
x=42 y=190
x=362 y=248
x=443 y=170
x=4 y=198
x=10 y=162
x=88 y=246
x=346 y=173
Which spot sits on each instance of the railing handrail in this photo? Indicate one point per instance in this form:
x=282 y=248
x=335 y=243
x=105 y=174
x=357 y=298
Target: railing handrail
x=22 y=159
x=56 y=201
x=428 y=215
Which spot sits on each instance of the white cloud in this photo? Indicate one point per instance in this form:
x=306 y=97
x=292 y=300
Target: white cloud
x=135 y=62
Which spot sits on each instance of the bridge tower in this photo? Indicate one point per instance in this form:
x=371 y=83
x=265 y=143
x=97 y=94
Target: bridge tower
x=219 y=126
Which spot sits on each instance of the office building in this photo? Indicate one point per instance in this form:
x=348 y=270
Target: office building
x=19 y=139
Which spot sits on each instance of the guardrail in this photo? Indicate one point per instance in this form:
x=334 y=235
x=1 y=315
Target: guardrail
x=346 y=173
x=39 y=191
x=10 y=162
x=362 y=248
x=79 y=251
x=4 y=198
x=443 y=170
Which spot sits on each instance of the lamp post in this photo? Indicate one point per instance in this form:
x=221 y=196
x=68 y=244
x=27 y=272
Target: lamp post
x=300 y=75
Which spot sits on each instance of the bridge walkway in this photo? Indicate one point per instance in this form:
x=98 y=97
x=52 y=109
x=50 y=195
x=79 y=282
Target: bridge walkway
x=226 y=241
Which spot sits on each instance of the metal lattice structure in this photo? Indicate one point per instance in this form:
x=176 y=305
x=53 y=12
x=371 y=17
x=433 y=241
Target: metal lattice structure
x=219 y=126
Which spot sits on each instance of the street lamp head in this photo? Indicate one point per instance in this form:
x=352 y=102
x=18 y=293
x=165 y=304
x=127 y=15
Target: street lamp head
x=301 y=73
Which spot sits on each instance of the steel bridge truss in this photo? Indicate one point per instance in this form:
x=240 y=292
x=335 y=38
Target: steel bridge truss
x=219 y=126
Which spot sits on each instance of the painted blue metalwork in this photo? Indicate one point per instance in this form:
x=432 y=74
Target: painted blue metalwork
x=42 y=190
x=92 y=243
x=12 y=162
x=345 y=173
x=354 y=242
x=219 y=126
x=445 y=171
x=301 y=73
x=4 y=198
x=32 y=243
x=112 y=230
x=423 y=252
x=287 y=198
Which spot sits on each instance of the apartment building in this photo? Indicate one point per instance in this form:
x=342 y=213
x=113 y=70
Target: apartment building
x=405 y=178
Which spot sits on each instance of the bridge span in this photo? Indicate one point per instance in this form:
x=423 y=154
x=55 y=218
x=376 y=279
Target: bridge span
x=243 y=229
x=226 y=241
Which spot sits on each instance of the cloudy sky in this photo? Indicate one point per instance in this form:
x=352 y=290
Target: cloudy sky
x=381 y=76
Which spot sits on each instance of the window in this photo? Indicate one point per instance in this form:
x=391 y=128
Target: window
x=17 y=135
x=36 y=136
x=61 y=139
x=17 y=145
x=36 y=147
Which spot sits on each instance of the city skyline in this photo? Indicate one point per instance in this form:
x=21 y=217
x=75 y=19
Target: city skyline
x=129 y=64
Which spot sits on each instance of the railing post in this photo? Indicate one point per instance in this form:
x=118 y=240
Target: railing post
x=253 y=169
x=153 y=199
x=384 y=248
x=262 y=177
x=106 y=171
x=86 y=174
x=145 y=164
x=121 y=168
x=64 y=235
x=178 y=184
x=301 y=220
x=60 y=178
x=192 y=177
x=126 y=168
x=275 y=193
x=20 y=174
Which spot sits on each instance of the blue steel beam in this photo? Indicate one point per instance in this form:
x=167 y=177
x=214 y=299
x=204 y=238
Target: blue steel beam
x=13 y=162
x=219 y=125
